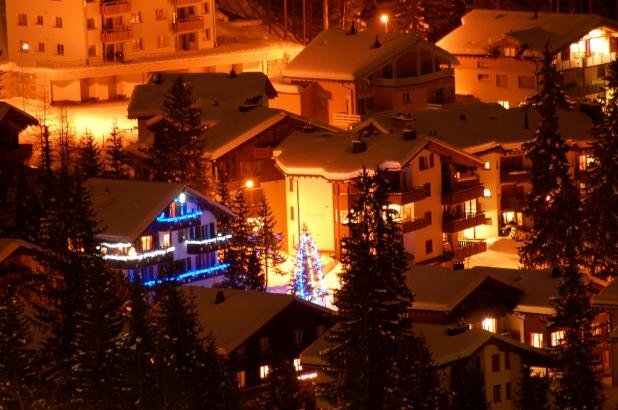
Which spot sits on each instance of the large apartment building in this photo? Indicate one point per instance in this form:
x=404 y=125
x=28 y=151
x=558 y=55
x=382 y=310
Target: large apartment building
x=499 y=52
x=83 y=50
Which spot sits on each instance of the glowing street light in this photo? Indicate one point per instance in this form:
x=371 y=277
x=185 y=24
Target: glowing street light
x=249 y=184
x=384 y=19
x=25 y=46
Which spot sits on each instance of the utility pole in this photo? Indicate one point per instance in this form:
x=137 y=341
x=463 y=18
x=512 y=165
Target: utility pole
x=285 y=19
x=325 y=14
x=304 y=22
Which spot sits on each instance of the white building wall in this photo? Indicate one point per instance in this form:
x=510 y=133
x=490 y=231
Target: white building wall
x=490 y=205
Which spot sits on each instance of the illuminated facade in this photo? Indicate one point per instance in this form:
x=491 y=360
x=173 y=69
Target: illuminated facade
x=158 y=231
x=500 y=51
x=435 y=189
x=341 y=78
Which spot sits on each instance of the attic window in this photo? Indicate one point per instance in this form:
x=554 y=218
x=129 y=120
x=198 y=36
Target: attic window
x=509 y=52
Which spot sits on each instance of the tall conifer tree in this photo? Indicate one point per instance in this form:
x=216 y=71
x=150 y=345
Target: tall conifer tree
x=553 y=203
x=268 y=242
x=409 y=17
x=532 y=392
x=115 y=155
x=90 y=162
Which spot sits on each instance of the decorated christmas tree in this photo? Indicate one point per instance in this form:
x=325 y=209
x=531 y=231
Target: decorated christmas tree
x=308 y=281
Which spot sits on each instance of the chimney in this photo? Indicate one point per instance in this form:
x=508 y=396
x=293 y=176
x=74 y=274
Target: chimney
x=219 y=298
x=377 y=44
x=409 y=134
x=358 y=146
x=353 y=29
x=233 y=72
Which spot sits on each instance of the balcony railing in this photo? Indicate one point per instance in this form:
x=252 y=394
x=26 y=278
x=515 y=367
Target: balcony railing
x=456 y=223
x=407 y=197
x=197 y=246
x=193 y=23
x=115 y=34
x=412 y=80
x=466 y=248
x=115 y=7
x=135 y=260
x=411 y=225
x=515 y=176
x=165 y=222
x=512 y=204
x=345 y=121
x=182 y=3
x=455 y=196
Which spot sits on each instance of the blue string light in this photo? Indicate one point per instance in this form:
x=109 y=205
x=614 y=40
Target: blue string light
x=174 y=219
x=314 y=290
x=188 y=275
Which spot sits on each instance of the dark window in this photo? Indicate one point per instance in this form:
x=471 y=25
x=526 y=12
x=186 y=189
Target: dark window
x=428 y=247
x=291 y=185
x=264 y=344
x=212 y=230
x=22 y=20
x=483 y=77
x=428 y=217
x=39 y=20
x=495 y=362
x=387 y=71
x=431 y=160
x=90 y=24
x=427 y=187
x=422 y=162
x=298 y=337
x=497 y=397
x=406 y=97
x=58 y=22
x=292 y=213
x=507 y=360
x=41 y=47
x=60 y=49
x=507 y=391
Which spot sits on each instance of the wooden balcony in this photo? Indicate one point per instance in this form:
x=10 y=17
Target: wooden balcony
x=466 y=248
x=512 y=204
x=115 y=7
x=515 y=176
x=456 y=223
x=143 y=259
x=456 y=196
x=345 y=121
x=407 y=197
x=116 y=34
x=187 y=24
x=411 y=225
x=207 y=245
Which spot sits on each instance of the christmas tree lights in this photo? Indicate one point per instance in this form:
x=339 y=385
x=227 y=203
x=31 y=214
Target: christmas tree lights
x=308 y=280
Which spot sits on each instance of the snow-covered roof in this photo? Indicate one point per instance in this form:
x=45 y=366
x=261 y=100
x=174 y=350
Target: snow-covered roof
x=125 y=208
x=481 y=29
x=477 y=127
x=533 y=288
x=341 y=56
x=607 y=297
x=334 y=159
x=209 y=89
x=8 y=111
x=242 y=313
x=8 y=246
x=446 y=347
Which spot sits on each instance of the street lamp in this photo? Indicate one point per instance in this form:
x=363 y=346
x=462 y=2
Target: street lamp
x=25 y=46
x=384 y=19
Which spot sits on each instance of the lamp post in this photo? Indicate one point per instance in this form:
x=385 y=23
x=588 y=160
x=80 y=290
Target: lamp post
x=384 y=19
x=25 y=46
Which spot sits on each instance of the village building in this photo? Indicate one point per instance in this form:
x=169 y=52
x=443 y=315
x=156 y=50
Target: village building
x=12 y=122
x=19 y=260
x=500 y=52
x=155 y=230
x=80 y=51
x=456 y=351
x=254 y=329
x=607 y=301
x=496 y=135
x=341 y=77
x=435 y=189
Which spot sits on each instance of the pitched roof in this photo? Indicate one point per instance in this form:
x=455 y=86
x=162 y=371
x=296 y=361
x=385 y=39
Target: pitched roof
x=335 y=160
x=534 y=287
x=482 y=28
x=480 y=126
x=9 y=245
x=339 y=55
x=8 y=111
x=209 y=89
x=445 y=348
x=125 y=208
x=241 y=314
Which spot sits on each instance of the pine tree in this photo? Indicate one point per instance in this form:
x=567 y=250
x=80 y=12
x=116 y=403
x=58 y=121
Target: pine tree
x=182 y=133
x=532 y=391
x=46 y=158
x=468 y=387
x=189 y=370
x=17 y=370
x=115 y=155
x=600 y=226
x=579 y=381
x=373 y=328
x=409 y=17
x=307 y=280
x=268 y=242
x=244 y=271
x=281 y=390
x=553 y=203
x=224 y=198
x=444 y=16
x=90 y=163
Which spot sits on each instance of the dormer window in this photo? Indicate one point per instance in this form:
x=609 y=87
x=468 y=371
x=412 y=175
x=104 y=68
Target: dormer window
x=510 y=52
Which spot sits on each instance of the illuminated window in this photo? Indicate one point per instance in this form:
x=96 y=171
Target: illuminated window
x=241 y=377
x=584 y=162
x=489 y=324
x=264 y=370
x=510 y=52
x=487 y=193
x=504 y=103
x=487 y=165
x=167 y=240
x=297 y=365
x=536 y=340
x=557 y=337
x=146 y=242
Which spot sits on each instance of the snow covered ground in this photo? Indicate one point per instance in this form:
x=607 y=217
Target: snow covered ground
x=501 y=253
